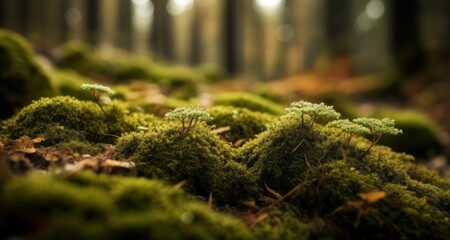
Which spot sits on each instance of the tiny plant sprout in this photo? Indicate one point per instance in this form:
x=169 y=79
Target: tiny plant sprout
x=350 y=128
x=314 y=112
x=378 y=128
x=188 y=117
x=97 y=91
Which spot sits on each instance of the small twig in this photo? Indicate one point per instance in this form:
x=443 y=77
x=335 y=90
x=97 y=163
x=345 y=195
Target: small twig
x=290 y=193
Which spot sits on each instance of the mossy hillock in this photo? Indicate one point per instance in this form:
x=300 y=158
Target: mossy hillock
x=332 y=174
x=198 y=157
x=244 y=124
x=250 y=101
x=421 y=134
x=22 y=79
x=84 y=59
x=87 y=206
x=63 y=120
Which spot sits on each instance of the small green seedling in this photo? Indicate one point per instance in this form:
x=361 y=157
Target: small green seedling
x=378 y=128
x=188 y=117
x=314 y=111
x=350 y=128
x=97 y=91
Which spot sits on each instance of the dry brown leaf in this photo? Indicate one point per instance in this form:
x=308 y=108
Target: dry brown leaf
x=38 y=140
x=372 y=197
x=27 y=150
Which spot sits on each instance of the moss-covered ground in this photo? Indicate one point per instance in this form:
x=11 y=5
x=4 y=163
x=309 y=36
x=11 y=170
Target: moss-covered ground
x=239 y=167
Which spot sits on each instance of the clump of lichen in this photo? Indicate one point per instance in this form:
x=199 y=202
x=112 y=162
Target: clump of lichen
x=336 y=177
x=249 y=101
x=197 y=156
x=65 y=119
x=87 y=206
x=21 y=78
x=243 y=124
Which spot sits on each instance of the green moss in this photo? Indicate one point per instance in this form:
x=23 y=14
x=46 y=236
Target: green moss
x=244 y=124
x=21 y=78
x=333 y=173
x=83 y=59
x=68 y=84
x=199 y=157
x=420 y=133
x=249 y=101
x=101 y=207
x=281 y=225
x=69 y=122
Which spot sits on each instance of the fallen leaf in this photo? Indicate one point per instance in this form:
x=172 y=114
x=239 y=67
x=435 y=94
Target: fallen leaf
x=372 y=197
x=38 y=140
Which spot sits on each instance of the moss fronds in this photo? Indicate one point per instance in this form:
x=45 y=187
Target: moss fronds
x=65 y=119
x=86 y=206
x=200 y=157
x=244 y=124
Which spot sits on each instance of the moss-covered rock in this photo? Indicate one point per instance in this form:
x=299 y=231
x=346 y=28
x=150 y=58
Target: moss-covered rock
x=64 y=119
x=86 y=206
x=244 y=124
x=332 y=174
x=21 y=78
x=249 y=101
x=198 y=157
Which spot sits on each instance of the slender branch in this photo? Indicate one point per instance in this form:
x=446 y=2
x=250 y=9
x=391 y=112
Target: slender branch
x=189 y=125
x=298 y=145
x=375 y=139
x=290 y=193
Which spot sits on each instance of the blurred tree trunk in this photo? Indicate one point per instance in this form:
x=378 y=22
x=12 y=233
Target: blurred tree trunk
x=92 y=21
x=125 y=24
x=409 y=55
x=2 y=13
x=63 y=26
x=232 y=33
x=284 y=44
x=438 y=30
x=254 y=41
x=23 y=11
x=161 y=33
x=338 y=26
x=196 y=41
x=316 y=39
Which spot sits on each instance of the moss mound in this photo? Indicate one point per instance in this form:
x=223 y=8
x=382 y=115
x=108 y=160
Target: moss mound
x=83 y=59
x=21 y=78
x=334 y=178
x=68 y=84
x=61 y=120
x=86 y=206
x=249 y=101
x=421 y=134
x=244 y=124
x=198 y=157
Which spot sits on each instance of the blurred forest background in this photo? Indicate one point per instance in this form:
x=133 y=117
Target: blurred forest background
x=265 y=39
